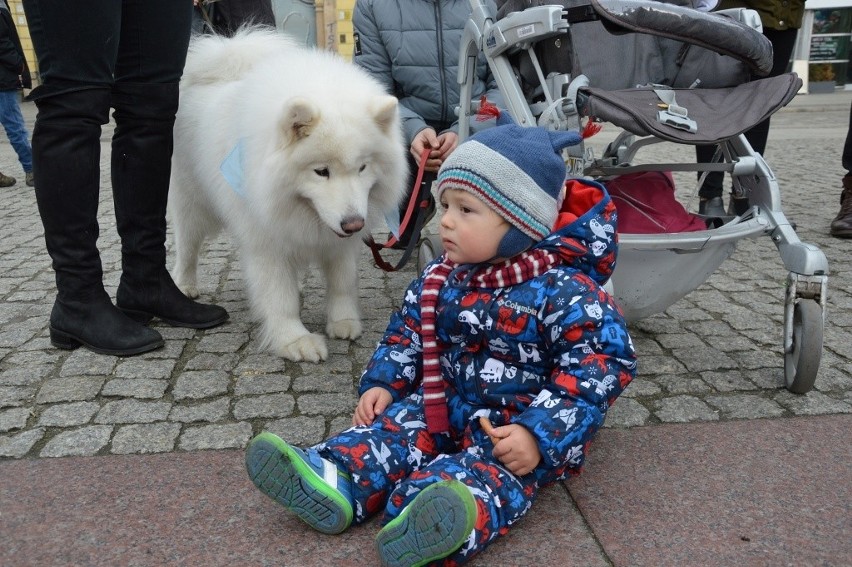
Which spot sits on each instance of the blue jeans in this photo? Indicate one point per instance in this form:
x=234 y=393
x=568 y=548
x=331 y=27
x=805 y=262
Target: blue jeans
x=13 y=122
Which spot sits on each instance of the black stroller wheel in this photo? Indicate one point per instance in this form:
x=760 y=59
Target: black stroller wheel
x=801 y=363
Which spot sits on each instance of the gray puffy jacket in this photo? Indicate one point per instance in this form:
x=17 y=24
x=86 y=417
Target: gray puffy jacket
x=412 y=47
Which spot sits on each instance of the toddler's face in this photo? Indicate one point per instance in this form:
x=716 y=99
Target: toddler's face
x=470 y=231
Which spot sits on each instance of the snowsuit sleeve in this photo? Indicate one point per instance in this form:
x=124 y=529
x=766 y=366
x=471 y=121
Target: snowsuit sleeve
x=593 y=361
x=397 y=363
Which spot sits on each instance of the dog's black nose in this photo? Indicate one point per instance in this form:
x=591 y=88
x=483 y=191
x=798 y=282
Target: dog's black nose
x=351 y=225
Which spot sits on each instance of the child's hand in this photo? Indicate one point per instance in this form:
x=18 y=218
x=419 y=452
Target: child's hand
x=515 y=447
x=372 y=403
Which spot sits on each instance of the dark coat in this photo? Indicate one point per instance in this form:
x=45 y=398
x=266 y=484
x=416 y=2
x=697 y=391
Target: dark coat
x=14 y=73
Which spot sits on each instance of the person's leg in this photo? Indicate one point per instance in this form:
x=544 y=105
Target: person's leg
x=76 y=51
x=783 y=42
x=348 y=477
x=151 y=55
x=16 y=130
x=466 y=523
x=841 y=226
x=710 y=193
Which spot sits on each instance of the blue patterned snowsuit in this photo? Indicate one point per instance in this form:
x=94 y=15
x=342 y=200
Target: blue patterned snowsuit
x=552 y=354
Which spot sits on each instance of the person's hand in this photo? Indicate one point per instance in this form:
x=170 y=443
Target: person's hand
x=426 y=138
x=516 y=448
x=372 y=403
x=447 y=142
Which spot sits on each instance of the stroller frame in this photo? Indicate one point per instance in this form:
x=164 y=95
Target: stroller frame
x=642 y=281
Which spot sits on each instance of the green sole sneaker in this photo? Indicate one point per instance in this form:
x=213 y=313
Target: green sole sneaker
x=436 y=523
x=303 y=482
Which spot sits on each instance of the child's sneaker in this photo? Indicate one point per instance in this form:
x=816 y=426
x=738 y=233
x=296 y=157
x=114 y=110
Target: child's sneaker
x=434 y=525
x=302 y=481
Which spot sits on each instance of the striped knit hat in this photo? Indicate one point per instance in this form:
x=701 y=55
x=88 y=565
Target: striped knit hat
x=518 y=172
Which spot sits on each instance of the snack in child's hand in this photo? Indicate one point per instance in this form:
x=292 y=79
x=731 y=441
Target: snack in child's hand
x=488 y=429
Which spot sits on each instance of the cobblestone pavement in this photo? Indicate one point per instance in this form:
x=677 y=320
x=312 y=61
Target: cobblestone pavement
x=716 y=355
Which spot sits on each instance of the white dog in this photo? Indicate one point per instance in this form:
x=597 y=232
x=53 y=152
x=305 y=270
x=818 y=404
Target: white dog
x=297 y=152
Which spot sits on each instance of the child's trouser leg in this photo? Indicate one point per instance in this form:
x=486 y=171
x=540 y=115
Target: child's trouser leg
x=380 y=455
x=501 y=497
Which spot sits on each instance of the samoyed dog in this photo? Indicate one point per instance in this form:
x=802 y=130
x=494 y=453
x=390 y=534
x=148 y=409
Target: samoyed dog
x=297 y=153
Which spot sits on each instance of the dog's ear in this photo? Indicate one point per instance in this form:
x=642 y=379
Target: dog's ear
x=298 y=119
x=385 y=112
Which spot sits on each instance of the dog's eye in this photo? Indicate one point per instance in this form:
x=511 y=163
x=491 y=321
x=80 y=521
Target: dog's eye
x=362 y=168
x=321 y=171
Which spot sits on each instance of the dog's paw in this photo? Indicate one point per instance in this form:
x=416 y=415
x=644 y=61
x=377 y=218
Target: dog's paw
x=310 y=348
x=344 y=329
x=191 y=291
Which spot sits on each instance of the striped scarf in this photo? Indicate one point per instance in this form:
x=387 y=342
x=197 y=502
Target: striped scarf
x=521 y=268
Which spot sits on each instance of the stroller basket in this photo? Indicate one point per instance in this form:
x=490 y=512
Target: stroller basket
x=558 y=65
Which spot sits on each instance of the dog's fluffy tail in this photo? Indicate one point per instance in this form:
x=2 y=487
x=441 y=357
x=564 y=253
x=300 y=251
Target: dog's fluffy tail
x=216 y=58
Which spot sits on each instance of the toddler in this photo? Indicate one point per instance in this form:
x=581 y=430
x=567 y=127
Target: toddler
x=493 y=376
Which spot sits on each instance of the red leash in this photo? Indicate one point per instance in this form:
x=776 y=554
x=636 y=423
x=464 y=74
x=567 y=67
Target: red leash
x=376 y=248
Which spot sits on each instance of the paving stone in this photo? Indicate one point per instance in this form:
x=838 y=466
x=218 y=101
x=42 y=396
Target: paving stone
x=25 y=375
x=222 y=342
x=223 y=436
x=626 y=412
x=641 y=387
x=142 y=368
x=727 y=381
x=201 y=384
x=745 y=406
x=684 y=409
x=260 y=364
x=212 y=411
x=85 y=441
x=272 y=405
x=69 y=389
x=15 y=418
x=697 y=359
x=339 y=423
x=682 y=384
x=18 y=445
x=324 y=383
x=210 y=361
x=135 y=388
x=248 y=385
x=145 y=438
x=12 y=396
x=68 y=415
x=812 y=403
x=82 y=362
x=298 y=431
x=656 y=364
x=132 y=411
x=327 y=404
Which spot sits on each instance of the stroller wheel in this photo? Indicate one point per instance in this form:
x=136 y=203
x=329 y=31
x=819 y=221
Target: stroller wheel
x=801 y=363
x=429 y=248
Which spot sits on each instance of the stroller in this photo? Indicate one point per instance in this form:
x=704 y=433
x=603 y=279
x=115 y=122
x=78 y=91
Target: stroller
x=557 y=65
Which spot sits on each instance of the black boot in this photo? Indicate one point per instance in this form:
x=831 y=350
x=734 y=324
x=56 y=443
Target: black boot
x=841 y=226
x=66 y=157
x=141 y=165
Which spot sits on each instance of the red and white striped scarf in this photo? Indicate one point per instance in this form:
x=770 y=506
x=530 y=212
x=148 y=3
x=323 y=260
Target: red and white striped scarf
x=519 y=269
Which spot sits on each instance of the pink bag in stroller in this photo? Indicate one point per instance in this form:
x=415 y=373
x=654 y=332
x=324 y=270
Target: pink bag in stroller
x=646 y=204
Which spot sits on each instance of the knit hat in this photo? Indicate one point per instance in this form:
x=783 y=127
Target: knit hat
x=518 y=172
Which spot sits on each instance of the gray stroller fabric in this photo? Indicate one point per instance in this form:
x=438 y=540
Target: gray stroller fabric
x=649 y=54
x=722 y=35
x=719 y=114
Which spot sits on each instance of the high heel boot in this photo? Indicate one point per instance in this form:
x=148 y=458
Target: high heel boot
x=141 y=165
x=66 y=156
